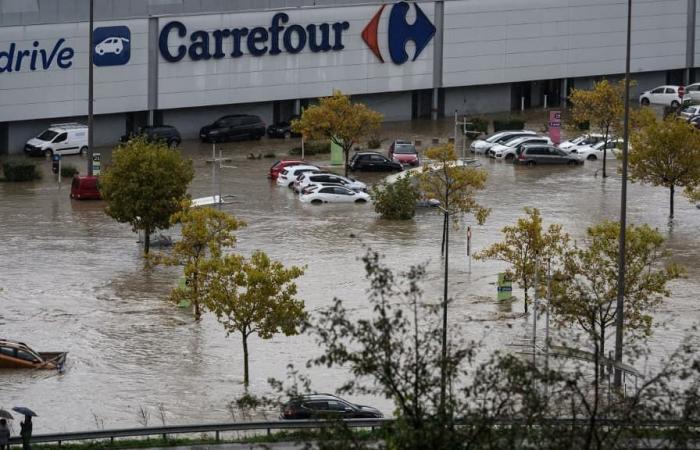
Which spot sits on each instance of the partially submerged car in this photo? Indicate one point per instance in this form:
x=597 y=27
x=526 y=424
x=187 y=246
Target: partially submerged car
x=18 y=355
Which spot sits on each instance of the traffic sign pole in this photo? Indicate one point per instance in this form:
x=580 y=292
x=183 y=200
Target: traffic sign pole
x=469 y=247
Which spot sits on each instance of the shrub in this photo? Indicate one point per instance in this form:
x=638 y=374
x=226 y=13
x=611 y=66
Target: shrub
x=269 y=155
x=20 y=171
x=312 y=148
x=396 y=201
x=508 y=123
x=479 y=124
x=68 y=171
x=374 y=142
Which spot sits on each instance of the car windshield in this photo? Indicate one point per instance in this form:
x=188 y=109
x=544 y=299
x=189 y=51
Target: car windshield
x=47 y=135
x=512 y=141
x=404 y=148
x=494 y=138
x=689 y=109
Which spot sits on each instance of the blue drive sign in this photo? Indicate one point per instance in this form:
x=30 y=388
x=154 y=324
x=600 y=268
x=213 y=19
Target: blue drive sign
x=112 y=46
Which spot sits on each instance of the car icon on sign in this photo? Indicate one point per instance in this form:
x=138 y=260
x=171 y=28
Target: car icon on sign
x=114 y=45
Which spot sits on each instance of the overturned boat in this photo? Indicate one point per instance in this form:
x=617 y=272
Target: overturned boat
x=17 y=355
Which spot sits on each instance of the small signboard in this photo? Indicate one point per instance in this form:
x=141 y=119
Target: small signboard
x=505 y=287
x=96 y=164
x=337 y=158
x=555 y=127
x=681 y=91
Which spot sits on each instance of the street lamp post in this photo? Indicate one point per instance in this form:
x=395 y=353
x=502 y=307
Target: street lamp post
x=619 y=318
x=443 y=368
x=91 y=124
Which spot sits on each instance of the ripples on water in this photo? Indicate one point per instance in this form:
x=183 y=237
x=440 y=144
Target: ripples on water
x=74 y=280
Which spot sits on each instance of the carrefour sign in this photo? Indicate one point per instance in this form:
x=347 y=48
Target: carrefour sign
x=176 y=42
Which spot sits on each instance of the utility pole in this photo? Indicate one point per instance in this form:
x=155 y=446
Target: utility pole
x=91 y=119
x=443 y=372
x=619 y=313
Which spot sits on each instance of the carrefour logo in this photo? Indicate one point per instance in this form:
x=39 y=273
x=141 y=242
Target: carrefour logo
x=112 y=46
x=400 y=32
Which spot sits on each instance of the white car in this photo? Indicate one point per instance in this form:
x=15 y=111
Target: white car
x=509 y=149
x=61 y=138
x=595 y=151
x=662 y=95
x=290 y=173
x=692 y=92
x=482 y=145
x=690 y=111
x=581 y=141
x=113 y=45
x=307 y=178
x=333 y=194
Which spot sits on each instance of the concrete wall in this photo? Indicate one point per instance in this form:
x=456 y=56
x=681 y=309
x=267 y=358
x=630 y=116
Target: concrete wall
x=477 y=99
x=395 y=105
x=189 y=121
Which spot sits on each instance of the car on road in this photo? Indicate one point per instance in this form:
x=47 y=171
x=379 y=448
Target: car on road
x=373 y=161
x=308 y=178
x=325 y=405
x=290 y=174
x=282 y=129
x=580 y=141
x=333 y=194
x=280 y=165
x=482 y=145
x=233 y=127
x=663 y=95
x=404 y=152
x=595 y=151
x=509 y=149
x=689 y=112
x=164 y=133
x=61 y=138
x=538 y=154
x=114 y=45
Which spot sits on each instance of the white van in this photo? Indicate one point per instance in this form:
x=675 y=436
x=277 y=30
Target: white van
x=60 y=138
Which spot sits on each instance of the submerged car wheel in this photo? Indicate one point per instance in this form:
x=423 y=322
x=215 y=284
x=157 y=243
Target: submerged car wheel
x=287 y=135
x=172 y=143
x=675 y=104
x=592 y=157
x=572 y=162
x=83 y=150
x=645 y=101
x=360 y=200
x=48 y=152
x=316 y=201
x=510 y=157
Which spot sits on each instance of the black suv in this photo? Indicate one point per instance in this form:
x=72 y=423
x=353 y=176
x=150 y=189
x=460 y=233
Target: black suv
x=233 y=127
x=165 y=133
x=327 y=406
x=282 y=129
x=373 y=161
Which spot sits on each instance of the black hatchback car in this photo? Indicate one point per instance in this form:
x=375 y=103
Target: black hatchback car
x=373 y=161
x=327 y=406
x=233 y=127
x=165 y=133
x=282 y=129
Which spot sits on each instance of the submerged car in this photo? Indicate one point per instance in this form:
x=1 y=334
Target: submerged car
x=282 y=129
x=333 y=194
x=290 y=174
x=279 y=166
x=309 y=178
x=373 y=161
x=538 y=154
x=482 y=145
x=404 y=152
x=162 y=133
x=327 y=405
x=509 y=149
x=18 y=355
x=580 y=141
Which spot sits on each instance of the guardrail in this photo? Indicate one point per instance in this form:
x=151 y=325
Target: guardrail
x=216 y=428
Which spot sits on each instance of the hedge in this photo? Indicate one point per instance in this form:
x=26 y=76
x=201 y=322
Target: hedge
x=508 y=123
x=312 y=148
x=20 y=171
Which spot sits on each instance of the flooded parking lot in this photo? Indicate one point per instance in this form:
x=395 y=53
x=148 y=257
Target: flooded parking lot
x=74 y=280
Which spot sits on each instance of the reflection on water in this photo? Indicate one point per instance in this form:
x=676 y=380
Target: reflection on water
x=74 y=280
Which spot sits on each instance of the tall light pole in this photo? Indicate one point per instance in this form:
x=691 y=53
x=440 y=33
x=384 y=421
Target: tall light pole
x=619 y=318
x=443 y=368
x=91 y=119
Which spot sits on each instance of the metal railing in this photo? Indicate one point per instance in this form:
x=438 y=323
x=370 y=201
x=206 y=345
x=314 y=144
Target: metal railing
x=216 y=428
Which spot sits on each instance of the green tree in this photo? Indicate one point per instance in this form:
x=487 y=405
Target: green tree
x=338 y=119
x=665 y=153
x=253 y=296
x=206 y=232
x=602 y=107
x=144 y=185
x=525 y=243
x=396 y=201
x=586 y=293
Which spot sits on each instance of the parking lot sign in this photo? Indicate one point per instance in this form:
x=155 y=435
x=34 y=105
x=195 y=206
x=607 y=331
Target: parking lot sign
x=96 y=164
x=555 y=127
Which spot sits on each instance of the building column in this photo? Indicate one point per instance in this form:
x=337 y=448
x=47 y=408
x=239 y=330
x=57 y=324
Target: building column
x=437 y=58
x=690 y=42
x=152 y=69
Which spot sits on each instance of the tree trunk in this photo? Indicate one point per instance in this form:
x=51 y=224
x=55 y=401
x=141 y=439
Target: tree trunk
x=602 y=347
x=605 y=153
x=347 y=159
x=246 y=379
x=591 y=434
x=444 y=230
x=146 y=241
x=525 y=287
x=672 y=191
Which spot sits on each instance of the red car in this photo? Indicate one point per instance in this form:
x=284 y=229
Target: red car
x=279 y=166
x=85 y=188
x=404 y=152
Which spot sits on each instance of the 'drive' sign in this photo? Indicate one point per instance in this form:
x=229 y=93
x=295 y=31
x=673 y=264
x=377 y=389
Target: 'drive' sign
x=555 y=127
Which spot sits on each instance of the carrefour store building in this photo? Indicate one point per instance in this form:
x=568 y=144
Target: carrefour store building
x=187 y=62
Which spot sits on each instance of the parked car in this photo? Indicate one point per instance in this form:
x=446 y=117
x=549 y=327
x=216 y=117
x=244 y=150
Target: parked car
x=404 y=152
x=595 y=151
x=165 y=133
x=580 y=141
x=481 y=145
x=536 y=154
x=85 y=188
x=695 y=121
x=308 y=178
x=282 y=129
x=662 y=95
x=334 y=194
x=324 y=405
x=236 y=126
x=373 y=161
x=692 y=92
x=689 y=112
x=508 y=150
x=280 y=165
x=60 y=138
x=290 y=174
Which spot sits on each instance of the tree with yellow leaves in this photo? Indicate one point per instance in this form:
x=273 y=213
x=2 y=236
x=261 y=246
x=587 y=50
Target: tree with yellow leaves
x=602 y=107
x=339 y=120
